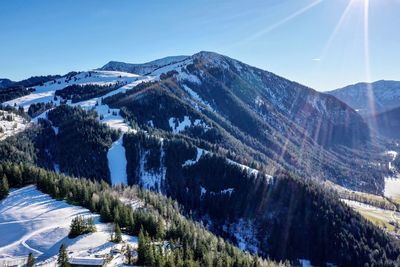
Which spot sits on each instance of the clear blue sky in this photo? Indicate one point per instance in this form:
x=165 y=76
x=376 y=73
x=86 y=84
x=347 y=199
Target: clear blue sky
x=54 y=37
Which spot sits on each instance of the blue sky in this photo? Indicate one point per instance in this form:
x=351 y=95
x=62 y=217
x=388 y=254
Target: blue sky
x=287 y=37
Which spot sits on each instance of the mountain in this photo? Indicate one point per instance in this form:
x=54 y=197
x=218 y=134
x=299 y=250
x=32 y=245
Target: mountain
x=144 y=68
x=242 y=150
x=4 y=83
x=387 y=123
x=370 y=98
x=256 y=115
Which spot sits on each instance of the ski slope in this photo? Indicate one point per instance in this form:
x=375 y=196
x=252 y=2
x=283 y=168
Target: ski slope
x=117 y=163
x=31 y=221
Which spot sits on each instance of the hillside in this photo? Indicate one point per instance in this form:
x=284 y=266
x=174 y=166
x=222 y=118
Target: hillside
x=254 y=114
x=370 y=98
x=387 y=123
x=241 y=150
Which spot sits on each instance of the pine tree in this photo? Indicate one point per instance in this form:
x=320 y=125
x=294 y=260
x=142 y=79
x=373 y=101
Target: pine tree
x=141 y=247
x=117 y=237
x=63 y=257
x=3 y=187
x=31 y=260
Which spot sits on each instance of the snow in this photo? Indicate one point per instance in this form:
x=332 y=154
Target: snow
x=392 y=183
x=178 y=126
x=203 y=191
x=152 y=179
x=46 y=92
x=199 y=153
x=9 y=128
x=184 y=76
x=31 y=221
x=55 y=129
x=305 y=263
x=111 y=117
x=143 y=68
x=117 y=163
x=196 y=97
x=244 y=233
x=393 y=154
x=227 y=191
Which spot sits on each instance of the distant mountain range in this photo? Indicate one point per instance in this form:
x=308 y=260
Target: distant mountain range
x=378 y=103
x=370 y=98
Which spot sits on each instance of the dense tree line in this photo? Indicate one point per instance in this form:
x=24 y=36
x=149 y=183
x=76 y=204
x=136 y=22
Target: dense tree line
x=159 y=219
x=82 y=142
x=12 y=93
x=258 y=132
x=34 y=145
x=77 y=92
x=305 y=220
x=38 y=108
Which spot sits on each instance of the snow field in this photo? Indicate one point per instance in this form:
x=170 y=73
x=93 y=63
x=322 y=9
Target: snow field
x=117 y=163
x=31 y=221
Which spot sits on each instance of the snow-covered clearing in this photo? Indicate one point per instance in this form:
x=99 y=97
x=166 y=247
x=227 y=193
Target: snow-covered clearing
x=117 y=163
x=178 y=126
x=151 y=179
x=46 y=92
x=10 y=124
x=392 y=183
x=31 y=221
x=245 y=234
x=199 y=153
x=196 y=97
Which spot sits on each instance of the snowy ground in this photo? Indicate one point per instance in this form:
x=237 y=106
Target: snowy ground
x=31 y=221
x=45 y=93
x=117 y=163
x=10 y=127
x=392 y=184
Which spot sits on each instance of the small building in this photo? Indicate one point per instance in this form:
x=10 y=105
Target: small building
x=87 y=262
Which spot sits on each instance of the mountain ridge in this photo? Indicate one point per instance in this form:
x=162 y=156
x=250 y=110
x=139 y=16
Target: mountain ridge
x=385 y=94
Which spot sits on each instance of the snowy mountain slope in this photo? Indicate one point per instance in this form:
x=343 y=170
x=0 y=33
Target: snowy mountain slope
x=144 y=68
x=370 y=98
x=223 y=101
x=281 y=123
x=46 y=92
x=11 y=124
x=31 y=221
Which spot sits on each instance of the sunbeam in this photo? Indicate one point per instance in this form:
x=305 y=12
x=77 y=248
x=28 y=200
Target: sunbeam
x=283 y=21
x=336 y=30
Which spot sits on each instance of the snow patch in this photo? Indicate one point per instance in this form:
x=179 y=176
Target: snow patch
x=177 y=126
x=198 y=156
x=31 y=221
x=244 y=233
x=10 y=124
x=152 y=180
x=117 y=163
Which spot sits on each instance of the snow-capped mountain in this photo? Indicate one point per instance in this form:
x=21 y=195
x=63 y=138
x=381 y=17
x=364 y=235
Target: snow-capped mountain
x=219 y=136
x=370 y=98
x=144 y=68
x=226 y=102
